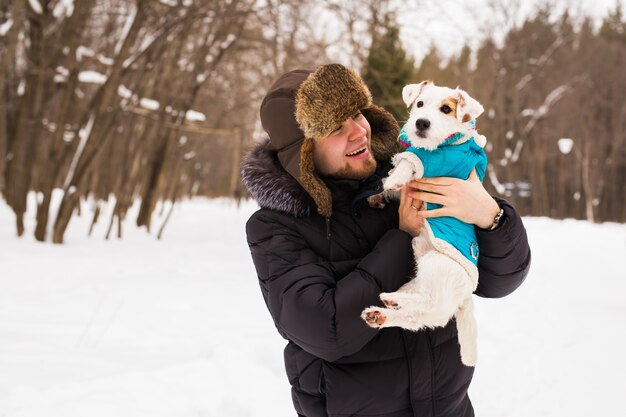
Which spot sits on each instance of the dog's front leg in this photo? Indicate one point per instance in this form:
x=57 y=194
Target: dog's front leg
x=407 y=167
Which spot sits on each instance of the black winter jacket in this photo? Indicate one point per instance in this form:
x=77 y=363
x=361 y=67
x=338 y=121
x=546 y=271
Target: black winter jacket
x=318 y=274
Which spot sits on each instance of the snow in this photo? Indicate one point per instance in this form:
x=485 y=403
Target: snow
x=541 y=111
x=91 y=77
x=83 y=134
x=176 y=328
x=5 y=27
x=63 y=8
x=105 y=60
x=149 y=104
x=565 y=145
x=36 y=6
x=21 y=88
x=124 y=92
x=82 y=51
x=195 y=116
x=125 y=30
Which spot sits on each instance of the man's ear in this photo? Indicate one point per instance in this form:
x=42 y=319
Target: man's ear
x=467 y=108
x=410 y=92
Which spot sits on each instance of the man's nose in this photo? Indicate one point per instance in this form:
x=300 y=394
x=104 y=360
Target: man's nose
x=356 y=131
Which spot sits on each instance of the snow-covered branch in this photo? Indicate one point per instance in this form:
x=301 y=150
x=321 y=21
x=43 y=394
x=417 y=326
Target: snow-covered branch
x=540 y=112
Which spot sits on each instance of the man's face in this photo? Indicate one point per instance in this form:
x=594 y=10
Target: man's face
x=346 y=152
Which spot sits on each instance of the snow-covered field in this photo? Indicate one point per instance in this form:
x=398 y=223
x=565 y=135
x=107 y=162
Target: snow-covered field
x=141 y=327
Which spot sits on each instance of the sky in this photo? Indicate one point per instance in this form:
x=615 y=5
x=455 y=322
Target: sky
x=451 y=24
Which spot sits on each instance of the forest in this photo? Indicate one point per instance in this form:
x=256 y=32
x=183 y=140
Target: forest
x=123 y=102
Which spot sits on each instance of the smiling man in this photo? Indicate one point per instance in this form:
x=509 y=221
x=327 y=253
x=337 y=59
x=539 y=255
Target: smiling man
x=322 y=254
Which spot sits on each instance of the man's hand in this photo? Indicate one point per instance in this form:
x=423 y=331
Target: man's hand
x=410 y=220
x=466 y=200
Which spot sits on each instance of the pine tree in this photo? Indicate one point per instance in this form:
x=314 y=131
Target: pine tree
x=388 y=69
x=613 y=26
x=430 y=68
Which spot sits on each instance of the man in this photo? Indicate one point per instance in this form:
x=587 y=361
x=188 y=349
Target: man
x=322 y=254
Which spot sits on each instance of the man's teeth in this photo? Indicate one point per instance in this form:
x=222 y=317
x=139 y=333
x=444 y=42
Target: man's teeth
x=358 y=151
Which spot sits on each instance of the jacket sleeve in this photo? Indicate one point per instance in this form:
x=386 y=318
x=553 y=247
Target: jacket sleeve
x=309 y=305
x=504 y=258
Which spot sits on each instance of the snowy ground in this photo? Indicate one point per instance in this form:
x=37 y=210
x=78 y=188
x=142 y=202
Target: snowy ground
x=138 y=327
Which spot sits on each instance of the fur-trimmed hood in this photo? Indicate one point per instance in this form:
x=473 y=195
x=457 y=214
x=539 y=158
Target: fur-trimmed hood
x=271 y=186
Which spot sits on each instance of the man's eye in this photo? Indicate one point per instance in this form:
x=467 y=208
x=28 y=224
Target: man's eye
x=445 y=109
x=420 y=103
x=357 y=115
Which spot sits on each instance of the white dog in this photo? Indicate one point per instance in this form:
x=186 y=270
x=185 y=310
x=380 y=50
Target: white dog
x=442 y=141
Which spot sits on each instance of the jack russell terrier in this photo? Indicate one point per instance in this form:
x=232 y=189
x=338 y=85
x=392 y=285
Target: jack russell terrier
x=441 y=140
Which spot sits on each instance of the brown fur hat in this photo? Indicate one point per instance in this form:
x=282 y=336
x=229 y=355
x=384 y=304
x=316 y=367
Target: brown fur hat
x=328 y=97
x=319 y=102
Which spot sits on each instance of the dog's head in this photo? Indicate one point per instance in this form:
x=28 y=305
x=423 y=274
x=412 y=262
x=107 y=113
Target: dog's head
x=437 y=113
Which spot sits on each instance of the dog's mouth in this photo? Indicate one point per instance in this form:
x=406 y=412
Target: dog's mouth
x=357 y=152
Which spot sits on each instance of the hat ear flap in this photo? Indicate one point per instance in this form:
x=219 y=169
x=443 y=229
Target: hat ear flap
x=385 y=131
x=467 y=108
x=411 y=92
x=313 y=184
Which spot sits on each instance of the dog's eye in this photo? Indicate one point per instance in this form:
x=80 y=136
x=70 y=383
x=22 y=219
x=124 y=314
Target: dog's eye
x=420 y=103
x=445 y=109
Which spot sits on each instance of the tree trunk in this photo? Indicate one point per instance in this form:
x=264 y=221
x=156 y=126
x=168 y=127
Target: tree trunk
x=7 y=57
x=28 y=128
x=52 y=163
x=102 y=120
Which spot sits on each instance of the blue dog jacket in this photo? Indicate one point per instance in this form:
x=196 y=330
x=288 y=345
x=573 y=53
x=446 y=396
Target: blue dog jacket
x=451 y=160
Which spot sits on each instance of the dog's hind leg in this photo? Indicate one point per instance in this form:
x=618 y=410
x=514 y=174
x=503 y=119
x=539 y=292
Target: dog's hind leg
x=379 y=317
x=440 y=287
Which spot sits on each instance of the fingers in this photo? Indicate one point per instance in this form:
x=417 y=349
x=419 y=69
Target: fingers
x=405 y=201
x=415 y=186
x=437 y=185
x=429 y=197
x=434 y=181
x=428 y=214
x=409 y=220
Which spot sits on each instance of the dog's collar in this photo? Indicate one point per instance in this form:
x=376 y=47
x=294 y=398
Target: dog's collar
x=403 y=138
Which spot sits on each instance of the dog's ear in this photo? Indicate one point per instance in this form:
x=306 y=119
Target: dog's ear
x=410 y=92
x=467 y=108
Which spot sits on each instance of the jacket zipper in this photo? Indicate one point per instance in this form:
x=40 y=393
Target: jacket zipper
x=409 y=365
x=327 y=228
x=432 y=372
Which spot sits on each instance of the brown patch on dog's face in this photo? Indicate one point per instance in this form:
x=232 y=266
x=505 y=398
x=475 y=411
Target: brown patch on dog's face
x=451 y=103
x=466 y=117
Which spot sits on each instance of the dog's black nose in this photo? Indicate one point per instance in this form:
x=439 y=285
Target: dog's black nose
x=422 y=124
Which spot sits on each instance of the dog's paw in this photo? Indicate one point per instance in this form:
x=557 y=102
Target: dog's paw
x=377 y=201
x=373 y=317
x=391 y=183
x=389 y=300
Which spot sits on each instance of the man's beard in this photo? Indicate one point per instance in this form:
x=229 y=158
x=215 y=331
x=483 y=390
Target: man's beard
x=365 y=171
